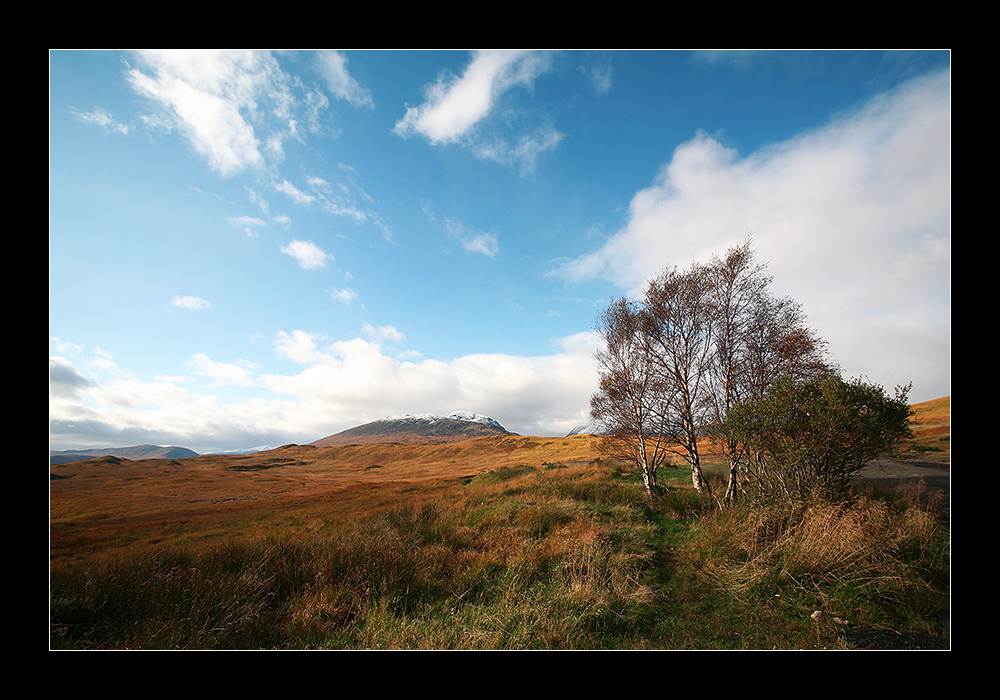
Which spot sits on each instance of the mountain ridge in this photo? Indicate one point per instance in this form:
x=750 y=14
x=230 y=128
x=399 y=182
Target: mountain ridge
x=132 y=452
x=419 y=428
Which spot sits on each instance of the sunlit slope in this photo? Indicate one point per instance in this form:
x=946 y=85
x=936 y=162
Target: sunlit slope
x=109 y=486
x=104 y=503
x=931 y=424
x=444 y=460
x=934 y=412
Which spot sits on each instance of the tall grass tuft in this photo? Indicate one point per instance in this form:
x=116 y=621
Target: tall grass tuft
x=864 y=558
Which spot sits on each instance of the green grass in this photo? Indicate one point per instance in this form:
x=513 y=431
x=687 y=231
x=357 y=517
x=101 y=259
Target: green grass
x=550 y=557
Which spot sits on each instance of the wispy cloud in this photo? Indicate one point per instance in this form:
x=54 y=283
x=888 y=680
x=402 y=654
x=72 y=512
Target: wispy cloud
x=382 y=333
x=103 y=119
x=190 y=303
x=332 y=65
x=599 y=74
x=249 y=224
x=235 y=107
x=455 y=107
x=473 y=241
x=309 y=255
x=345 y=295
x=294 y=193
x=213 y=97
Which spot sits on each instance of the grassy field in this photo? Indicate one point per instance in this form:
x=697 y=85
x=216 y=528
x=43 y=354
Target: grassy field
x=498 y=543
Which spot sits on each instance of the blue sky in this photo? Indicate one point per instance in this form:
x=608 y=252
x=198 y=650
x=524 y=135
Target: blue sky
x=258 y=248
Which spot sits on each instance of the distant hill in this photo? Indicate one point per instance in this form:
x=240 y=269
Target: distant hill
x=589 y=428
x=412 y=429
x=134 y=452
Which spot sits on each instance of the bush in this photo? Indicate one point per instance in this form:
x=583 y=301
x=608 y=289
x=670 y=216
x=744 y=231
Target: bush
x=804 y=437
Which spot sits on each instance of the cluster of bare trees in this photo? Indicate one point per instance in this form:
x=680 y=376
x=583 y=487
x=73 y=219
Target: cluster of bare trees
x=701 y=341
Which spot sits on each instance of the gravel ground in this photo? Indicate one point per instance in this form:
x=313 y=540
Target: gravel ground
x=877 y=639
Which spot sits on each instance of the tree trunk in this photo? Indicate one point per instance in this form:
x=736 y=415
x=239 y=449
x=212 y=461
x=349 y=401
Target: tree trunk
x=732 y=488
x=697 y=477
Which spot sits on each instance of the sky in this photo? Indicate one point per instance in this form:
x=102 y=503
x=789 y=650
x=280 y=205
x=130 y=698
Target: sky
x=254 y=248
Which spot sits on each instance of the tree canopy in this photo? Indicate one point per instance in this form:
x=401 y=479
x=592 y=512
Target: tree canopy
x=701 y=341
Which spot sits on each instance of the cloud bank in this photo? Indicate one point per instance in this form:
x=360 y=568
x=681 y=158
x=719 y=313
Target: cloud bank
x=853 y=220
x=341 y=384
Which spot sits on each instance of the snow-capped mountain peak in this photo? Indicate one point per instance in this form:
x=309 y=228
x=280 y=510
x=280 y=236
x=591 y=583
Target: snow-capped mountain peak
x=467 y=416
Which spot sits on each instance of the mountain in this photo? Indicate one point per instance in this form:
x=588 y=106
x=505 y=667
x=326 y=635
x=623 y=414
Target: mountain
x=589 y=428
x=134 y=452
x=412 y=428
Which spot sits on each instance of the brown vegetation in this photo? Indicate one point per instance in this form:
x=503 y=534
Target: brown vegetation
x=300 y=512
x=931 y=425
x=107 y=503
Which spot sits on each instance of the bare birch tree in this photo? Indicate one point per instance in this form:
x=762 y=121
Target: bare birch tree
x=757 y=339
x=737 y=288
x=700 y=342
x=678 y=332
x=624 y=408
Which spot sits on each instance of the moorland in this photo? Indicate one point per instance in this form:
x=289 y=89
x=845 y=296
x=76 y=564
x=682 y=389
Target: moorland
x=500 y=542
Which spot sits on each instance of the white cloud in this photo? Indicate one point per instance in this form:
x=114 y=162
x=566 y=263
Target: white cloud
x=249 y=224
x=222 y=373
x=103 y=119
x=342 y=383
x=299 y=346
x=309 y=255
x=456 y=107
x=214 y=97
x=338 y=199
x=296 y=195
x=473 y=241
x=453 y=105
x=65 y=380
x=354 y=381
x=853 y=220
x=191 y=303
x=599 y=74
x=332 y=65
x=345 y=295
x=380 y=333
x=64 y=346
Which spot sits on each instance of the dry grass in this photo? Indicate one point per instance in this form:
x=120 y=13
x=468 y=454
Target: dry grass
x=101 y=505
x=517 y=558
x=934 y=412
x=456 y=546
x=856 y=559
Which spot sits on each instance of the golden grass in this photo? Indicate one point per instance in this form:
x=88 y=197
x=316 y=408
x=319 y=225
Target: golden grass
x=104 y=504
x=513 y=558
x=508 y=548
x=865 y=545
x=931 y=425
x=934 y=412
